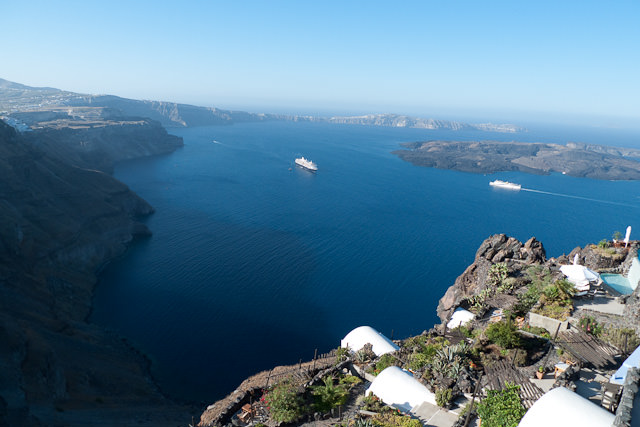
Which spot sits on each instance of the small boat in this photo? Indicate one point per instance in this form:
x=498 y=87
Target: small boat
x=505 y=184
x=307 y=164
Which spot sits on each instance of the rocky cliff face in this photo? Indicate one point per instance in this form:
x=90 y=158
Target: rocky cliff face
x=496 y=249
x=101 y=146
x=58 y=224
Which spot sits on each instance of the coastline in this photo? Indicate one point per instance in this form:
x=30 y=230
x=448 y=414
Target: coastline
x=62 y=369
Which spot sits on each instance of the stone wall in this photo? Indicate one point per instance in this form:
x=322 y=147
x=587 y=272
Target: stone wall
x=551 y=325
x=625 y=412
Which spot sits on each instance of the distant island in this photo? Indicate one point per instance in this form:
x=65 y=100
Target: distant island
x=31 y=106
x=575 y=159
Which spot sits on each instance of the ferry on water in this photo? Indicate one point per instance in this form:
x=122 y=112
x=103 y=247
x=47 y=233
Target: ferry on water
x=307 y=164
x=505 y=184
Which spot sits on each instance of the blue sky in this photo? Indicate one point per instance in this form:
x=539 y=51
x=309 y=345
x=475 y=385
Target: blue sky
x=443 y=59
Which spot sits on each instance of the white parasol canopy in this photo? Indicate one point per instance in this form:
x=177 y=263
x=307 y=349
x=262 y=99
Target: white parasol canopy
x=627 y=236
x=579 y=275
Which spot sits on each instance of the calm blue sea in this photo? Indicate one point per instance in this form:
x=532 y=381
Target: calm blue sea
x=255 y=262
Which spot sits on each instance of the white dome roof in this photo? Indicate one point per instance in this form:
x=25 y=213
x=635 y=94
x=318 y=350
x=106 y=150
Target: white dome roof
x=560 y=407
x=398 y=388
x=357 y=339
x=460 y=317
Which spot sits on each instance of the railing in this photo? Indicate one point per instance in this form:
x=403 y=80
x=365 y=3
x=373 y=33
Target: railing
x=304 y=370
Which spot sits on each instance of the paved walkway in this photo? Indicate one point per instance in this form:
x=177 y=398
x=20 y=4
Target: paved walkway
x=602 y=304
x=433 y=416
x=588 y=386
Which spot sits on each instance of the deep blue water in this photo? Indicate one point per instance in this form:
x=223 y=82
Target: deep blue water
x=253 y=264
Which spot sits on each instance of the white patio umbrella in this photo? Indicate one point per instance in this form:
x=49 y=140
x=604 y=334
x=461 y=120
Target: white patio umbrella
x=627 y=236
x=579 y=275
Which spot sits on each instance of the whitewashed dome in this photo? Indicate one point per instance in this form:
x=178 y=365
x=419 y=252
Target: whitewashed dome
x=561 y=407
x=363 y=335
x=400 y=389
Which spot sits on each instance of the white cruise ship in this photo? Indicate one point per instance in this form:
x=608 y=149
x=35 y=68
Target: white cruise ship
x=505 y=184
x=307 y=164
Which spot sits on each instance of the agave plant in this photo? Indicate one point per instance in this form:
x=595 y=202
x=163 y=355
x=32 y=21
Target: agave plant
x=455 y=369
x=360 y=422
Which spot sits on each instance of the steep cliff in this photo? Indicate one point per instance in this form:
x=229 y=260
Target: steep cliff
x=100 y=147
x=496 y=249
x=58 y=224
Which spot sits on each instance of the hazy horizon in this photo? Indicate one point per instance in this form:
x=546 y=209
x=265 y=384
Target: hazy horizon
x=499 y=61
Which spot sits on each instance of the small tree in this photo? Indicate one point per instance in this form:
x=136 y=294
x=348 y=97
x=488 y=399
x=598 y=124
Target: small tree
x=505 y=334
x=617 y=235
x=329 y=395
x=284 y=403
x=502 y=408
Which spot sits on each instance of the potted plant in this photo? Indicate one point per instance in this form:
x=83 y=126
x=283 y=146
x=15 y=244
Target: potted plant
x=540 y=372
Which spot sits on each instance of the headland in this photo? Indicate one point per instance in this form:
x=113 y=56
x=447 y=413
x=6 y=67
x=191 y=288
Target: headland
x=485 y=157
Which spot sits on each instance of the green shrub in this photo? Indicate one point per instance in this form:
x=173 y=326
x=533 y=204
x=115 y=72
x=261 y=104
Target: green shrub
x=504 y=334
x=374 y=404
x=350 y=381
x=342 y=354
x=502 y=408
x=518 y=356
x=555 y=301
x=603 y=244
x=464 y=331
x=361 y=422
x=384 y=362
x=451 y=360
x=621 y=338
x=365 y=354
x=540 y=277
x=555 y=310
x=284 y=403
x=497 y=274
x=395 y=420
x=415 y=343
x=418 y=361
x=444 y=397
x=590 y=325
x=537 y=330
x=329 y=395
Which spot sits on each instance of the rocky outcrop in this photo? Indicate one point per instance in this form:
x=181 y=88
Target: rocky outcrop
x=613 y=260
x=58 y=224
x=496 y=249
